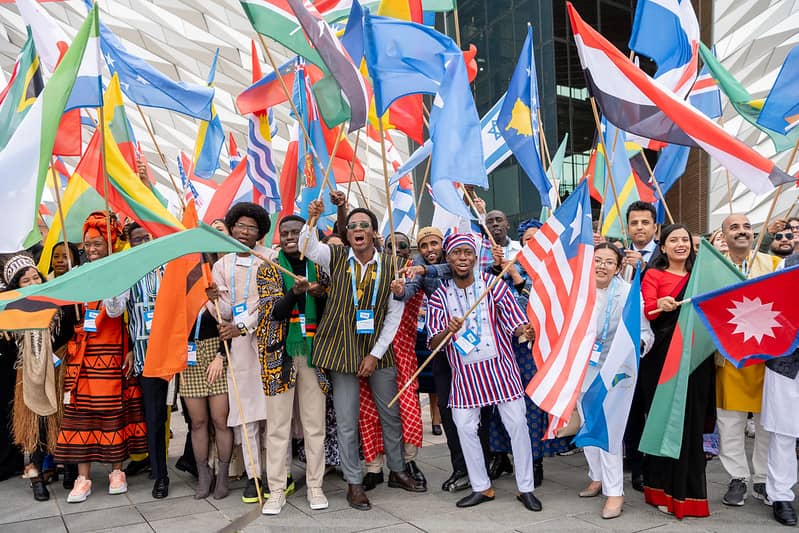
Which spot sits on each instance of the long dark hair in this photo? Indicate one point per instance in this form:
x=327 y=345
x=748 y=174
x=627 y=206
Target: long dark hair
x=661 y=262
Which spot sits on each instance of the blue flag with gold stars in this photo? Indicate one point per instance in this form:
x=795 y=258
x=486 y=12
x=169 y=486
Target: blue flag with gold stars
x=518 y=119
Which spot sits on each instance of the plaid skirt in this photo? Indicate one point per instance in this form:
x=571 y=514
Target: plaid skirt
x=194 y=380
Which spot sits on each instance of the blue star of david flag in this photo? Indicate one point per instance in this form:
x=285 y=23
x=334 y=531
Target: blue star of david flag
x=518 y=122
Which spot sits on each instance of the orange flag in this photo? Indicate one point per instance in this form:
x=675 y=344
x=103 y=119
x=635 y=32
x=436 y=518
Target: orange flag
x=180 y=298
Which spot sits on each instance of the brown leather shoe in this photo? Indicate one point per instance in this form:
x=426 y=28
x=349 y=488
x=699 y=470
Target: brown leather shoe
x=402 y=480
x=356 y=497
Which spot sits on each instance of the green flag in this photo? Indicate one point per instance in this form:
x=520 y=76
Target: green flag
x=743 y=102
x=690 y=346
x=439 y=5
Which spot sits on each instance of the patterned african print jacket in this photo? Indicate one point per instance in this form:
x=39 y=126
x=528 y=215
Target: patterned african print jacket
x=278 y=372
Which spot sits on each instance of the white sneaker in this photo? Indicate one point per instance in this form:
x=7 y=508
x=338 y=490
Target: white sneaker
x=317 y=499
x=117 y=482
x=275 y=503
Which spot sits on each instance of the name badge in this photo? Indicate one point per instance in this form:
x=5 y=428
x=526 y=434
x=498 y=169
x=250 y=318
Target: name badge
x=240 y=313
x=364 y=321
x=192 y=358
x=420 y=322
x=56 y=361
x=302 y=325
x=148 y=320
x=467 y=342
x=67 y=397
x=90 y=320
x=596 y=352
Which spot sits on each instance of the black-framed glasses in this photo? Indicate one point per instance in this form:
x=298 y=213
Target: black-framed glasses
x=359 y=225
x=780 y=236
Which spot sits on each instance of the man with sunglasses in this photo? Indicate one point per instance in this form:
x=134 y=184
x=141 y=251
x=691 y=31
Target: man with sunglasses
x=783 y=243
x=353 y=341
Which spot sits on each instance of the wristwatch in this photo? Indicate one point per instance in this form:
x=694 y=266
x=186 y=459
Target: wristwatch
x=242 y=329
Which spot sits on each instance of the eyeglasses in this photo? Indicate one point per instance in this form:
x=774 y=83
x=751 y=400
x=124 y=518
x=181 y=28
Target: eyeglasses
x=400 y=245
x=605 y=262
x=359 y=225
x=246 y=227
x=780 y=236
x=139 y=240
x=794 y=229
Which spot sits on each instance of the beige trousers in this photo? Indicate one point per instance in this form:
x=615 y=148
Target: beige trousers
x=311 y=402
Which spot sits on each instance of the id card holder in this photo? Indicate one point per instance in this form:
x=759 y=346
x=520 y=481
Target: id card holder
x=364 y=321
x=466 y=343
x=90 y=320
x=192 y=357
x=67 y=397
x=302 y=326
x=56 y=361
x=148 y=320
x=596 y=352
x=240 y=313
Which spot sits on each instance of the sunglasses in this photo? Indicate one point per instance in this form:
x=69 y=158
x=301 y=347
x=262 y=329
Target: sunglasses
x=358 y=225
x=780 y=236
x=400 y=245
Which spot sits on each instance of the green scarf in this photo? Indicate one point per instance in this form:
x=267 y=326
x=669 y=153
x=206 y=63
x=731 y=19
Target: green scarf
x=296 y=344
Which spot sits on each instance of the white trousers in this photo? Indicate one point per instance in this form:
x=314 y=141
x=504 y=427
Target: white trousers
x=732 y=451
x=607 y=468
x=514 y=419
x=255 y=434
x=781 y=468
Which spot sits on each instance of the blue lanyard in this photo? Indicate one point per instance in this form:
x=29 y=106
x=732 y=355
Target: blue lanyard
x=478 y=316
x=197 y=326
x=374 y=286
x=608 y=308
x=233 y=279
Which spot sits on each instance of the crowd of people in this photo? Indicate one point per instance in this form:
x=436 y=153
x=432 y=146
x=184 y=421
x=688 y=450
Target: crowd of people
x=301 y=355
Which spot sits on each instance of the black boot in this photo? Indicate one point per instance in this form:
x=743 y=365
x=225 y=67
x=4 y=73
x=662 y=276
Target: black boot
x=500 y=464
x=40 y=492
x=413 y=471
x=70 y=475
x=458 y=481
x=538 y=472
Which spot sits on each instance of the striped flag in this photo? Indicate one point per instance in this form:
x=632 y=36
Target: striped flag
x=189 y=190
x=560 y=261
x=705 y=95
x=403 y=207
x=210 y=137
x=21 y=92
x=260 y=169
x=233 y=152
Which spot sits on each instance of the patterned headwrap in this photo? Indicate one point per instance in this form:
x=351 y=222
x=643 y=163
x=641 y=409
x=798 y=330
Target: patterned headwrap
x=97 y=225
x=459 y=239
x=524 y=225
x=15 y=264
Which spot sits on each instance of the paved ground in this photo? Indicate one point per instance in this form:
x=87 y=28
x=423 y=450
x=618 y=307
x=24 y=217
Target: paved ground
x=392 y=509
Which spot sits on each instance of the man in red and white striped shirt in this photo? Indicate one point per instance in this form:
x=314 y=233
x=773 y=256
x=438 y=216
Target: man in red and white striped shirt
x=484 y=370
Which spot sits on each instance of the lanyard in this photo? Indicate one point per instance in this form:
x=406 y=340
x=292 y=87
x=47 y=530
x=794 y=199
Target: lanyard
x=197 y=326
x=374 y=287
x=233 y=279
x=608 y=307
x=478 y=314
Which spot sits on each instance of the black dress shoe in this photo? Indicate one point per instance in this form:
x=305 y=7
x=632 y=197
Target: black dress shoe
x=161 y=488
x=401 y=480
x=500 y=464
x=529 y=500
x=638 y=483
x=459 y=480
x=135 y=468
x=784 y=513
x=538 y=472
x=412 y=470
x=436 y=429
x=372 y=479
x=475 y=498
x=186 y=465
x=40 y=492
x=357 y=498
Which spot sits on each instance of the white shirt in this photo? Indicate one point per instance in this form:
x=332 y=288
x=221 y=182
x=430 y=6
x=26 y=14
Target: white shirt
x=646 y=251
x=319 y=253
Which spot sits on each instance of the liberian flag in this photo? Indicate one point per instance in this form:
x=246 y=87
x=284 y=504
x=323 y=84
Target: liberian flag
x=636 y=103
x=30 y=151
x=560 y=261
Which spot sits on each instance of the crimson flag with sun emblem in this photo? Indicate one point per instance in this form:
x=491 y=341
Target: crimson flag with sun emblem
x=753 y=321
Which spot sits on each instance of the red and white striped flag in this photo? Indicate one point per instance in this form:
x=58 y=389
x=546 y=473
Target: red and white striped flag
x=560 y=262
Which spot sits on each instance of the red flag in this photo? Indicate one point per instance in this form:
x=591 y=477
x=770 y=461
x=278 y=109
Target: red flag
x=344 y=156
x=226 y=193
x=754 y=320
x=68 y=141
x=288 y=179
x=181 y=295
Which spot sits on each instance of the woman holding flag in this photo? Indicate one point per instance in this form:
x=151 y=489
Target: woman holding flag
x=675 y=486
x=605 y=466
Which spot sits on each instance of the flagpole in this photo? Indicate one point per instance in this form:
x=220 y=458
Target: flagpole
x=787 y=170
x=101 y=113
x=161 y=155
x=418 y=199
x=457 y=24
x=277 y=266
x=352 y=163
x=388 y=197
x=677 y=303
x=545 y=150
x=657 y=186
x=449 y=334
x=610 y=172
x=726 y=172
x=480 y=216
x=57 y=190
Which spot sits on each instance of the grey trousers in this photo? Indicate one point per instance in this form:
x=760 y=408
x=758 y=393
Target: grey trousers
x=346 y=400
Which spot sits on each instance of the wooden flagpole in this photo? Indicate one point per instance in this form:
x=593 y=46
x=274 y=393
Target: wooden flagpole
x=161 y=155
x=57 y=189
x=417 y=199
x=101 y=112
x=388 y=197
x=610 y=173
x=352 y=163
x=727 y=172
x=657 y=186
x=480 y=218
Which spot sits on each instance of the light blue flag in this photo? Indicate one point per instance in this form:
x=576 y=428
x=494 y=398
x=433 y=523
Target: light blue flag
x=146 y=86
x=407 y=58
x=606 y=402
x=781 y=110
x=518 y=119
x=210 y=137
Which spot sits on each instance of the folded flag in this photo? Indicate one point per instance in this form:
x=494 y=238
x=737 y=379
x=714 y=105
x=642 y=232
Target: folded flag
x=234 y=156
x=624 y=180
x=210 y=137
x=518 y=119
x=33 y=307
x=606 y=402
x=754 y=320
x=403 y=205
x=51 y=41
x=705 y=94
x=20 y=93
x=633 y=102
x=560 y=261
x=690 y=345
x=226 y=193
x=781 y=110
